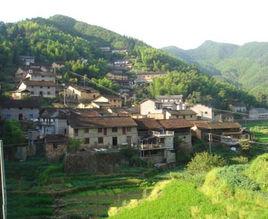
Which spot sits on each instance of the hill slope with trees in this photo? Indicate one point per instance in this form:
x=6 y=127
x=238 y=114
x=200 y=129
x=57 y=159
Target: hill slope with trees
x=78 y=46
x=245 y=66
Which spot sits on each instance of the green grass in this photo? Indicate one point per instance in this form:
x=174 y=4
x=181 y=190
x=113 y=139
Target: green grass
x=259 y=129
x=236 y=191
x=37 y=189
x=177 y=199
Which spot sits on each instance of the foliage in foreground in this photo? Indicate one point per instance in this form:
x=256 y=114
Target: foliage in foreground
x=170 y=199
x=203 y=162
x=242 y=196
x=258 y=171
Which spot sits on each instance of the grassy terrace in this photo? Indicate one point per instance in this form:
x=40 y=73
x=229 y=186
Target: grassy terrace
x=259 y=129
x=37 y=189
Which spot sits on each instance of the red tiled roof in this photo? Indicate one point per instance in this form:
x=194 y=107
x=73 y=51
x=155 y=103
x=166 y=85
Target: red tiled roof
x=101 y=122
x=154 y=124
x=216 y=125
x=147 y=123
x=175 y=123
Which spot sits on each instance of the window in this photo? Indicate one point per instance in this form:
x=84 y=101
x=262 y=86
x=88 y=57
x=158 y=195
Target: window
x=99 y=130
x=183 y=117
x=75 y=132
x=48 y=93
x=86 y=130
x=206 y=112
x=162 y=140
x=128 y=129
x=31 y=116
x=55 y=146
x=114 y=129
x=20 y=108
x=105 y=131
x=32 y=92
x=124 y=130
x=86 y=141
x=100 y=140
x=48 y=87
x=41 y=86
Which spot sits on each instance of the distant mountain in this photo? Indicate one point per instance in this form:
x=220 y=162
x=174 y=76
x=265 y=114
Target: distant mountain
x=245 y=65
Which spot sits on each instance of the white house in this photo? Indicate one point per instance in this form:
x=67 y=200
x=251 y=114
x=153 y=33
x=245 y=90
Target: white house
x=35 y=89
x=238 y=107
x=40 y=76
x=258 y=113
x=53 y=121
x=202 y=111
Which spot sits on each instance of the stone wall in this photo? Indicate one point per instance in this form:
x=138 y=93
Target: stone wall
x=92 y=162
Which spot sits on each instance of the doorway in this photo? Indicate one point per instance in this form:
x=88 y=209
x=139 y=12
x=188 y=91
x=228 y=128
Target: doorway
x=114 y=141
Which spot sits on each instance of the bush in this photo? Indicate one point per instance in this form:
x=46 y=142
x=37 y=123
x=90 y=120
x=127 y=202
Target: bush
x=240 y=160
x=203 y=162
x=245 y=145
x=258 y=171
x=73 y=145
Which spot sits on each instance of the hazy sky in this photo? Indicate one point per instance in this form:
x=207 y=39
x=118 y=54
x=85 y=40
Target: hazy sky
x=184 y=23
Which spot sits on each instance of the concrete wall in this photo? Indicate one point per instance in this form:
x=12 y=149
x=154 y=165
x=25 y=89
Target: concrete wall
x=148 y=107
x=203 y=111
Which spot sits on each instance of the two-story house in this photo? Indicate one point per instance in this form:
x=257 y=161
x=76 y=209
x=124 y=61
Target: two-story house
x=209 y=113
x=103 y=132
x=160 y=139
x=53 y=121
x=35 y=89
x=40 y=76
x=27 y=109
x=79 y=94
x=258 y=113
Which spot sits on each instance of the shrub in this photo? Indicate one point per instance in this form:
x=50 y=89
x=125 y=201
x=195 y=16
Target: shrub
x=258 y=171
x=222 y=183
x=203 y=162
x=73 y=145
x=240 y=160
x=245 y=145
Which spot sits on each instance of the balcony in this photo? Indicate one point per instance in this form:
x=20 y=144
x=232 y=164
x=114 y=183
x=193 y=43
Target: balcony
x=151 y=146
x=163 y=134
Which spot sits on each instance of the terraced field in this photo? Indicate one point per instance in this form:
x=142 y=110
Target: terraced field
x=38 y=189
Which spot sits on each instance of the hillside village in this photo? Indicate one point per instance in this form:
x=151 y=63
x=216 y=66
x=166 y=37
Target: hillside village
x=95 y=124
x=161 y=129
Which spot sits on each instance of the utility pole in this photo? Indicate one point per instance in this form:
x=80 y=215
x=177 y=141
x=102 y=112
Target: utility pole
x=3 y=182
x=64 y=102
x=210 y=141
x=85 y=80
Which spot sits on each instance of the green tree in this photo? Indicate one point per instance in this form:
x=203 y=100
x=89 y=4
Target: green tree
x=73 y=145
x=12 y=132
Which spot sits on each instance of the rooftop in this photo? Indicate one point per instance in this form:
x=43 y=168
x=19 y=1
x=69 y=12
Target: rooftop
x=101 y=122
x=182 y=112
x=33 y=102
x=154 y=124
x=39 y=83
x=84 y=89
x=216 y=125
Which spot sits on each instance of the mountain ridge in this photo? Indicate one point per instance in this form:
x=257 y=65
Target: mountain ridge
x=245 y=65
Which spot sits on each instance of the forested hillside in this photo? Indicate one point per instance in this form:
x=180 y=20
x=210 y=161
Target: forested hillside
x=245 y=66
x=78 y=45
